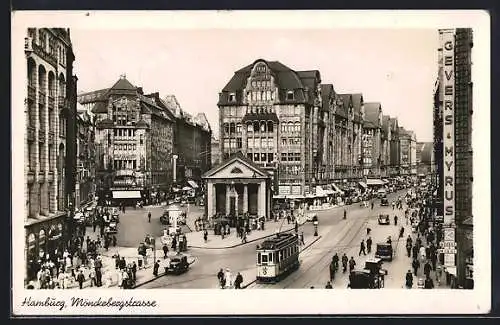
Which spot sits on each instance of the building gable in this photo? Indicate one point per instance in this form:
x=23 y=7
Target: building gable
x=236 y=167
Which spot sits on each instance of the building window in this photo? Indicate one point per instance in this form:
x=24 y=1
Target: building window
x=263 y=127
x=250 y=156
x=256 y=126
x=232 y=128
x=270 y=127
x=284 y=141
x=250 y=143
x=255 y=157
x=289 y=95
x=141 y=139
x=232 y=97
x=239 y=143
x=249 y=127
x=270 y=157
x=263 y=157
x=238 y=128
x=226 y=128
x=284 y=156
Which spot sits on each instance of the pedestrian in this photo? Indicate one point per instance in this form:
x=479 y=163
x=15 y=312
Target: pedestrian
x=238 y=281
x=302 y=238
x=415 y=264
x=395 y=220
x=220 y=278
x=80 y=278
x=134 y=271
x=434 y=260
x=368 y=230
x=205 y=236
x=352 y=264
x=156 y=267
x=332 y=270
x=92 y=278
x=174 y=243
x=229 y=279
x=362 y=248
x=369 y=244
x=428 y=284
x=408 y=248
x=345 y=214
x=409 y=279
x=344 y=262
x=114 y=241
x=328 y=285
x=427 y=269
x=149 y=216
x=165 y=251
x=393 y=205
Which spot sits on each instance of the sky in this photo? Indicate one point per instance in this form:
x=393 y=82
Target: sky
x=396 y=67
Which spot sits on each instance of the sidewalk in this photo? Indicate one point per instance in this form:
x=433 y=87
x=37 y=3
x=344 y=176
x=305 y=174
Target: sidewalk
x=195 y=239
x=144 y=275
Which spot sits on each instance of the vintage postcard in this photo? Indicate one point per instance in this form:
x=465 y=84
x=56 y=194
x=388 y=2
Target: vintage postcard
x=264 y=162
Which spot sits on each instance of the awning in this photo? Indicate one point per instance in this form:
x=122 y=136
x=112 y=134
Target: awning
x=363 y=184
x=337 y=189
x=320 y=192
x=376 y=182
x=328 y=190
x=290 y=196
x=126 y=194
x=193 y=184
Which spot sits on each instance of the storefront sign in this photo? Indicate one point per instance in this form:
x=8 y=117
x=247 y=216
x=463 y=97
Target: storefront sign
x=284 y=190
x=449 y=259
x=448 y=92
x=296 y=189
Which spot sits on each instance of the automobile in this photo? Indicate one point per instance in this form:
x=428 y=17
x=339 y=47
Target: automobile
x=420 y=283
x=384 y=202
x=383 y=219
x=111 y=228
x=177 y=265
x=381 y=193
x=384 y=251
x=311 y=216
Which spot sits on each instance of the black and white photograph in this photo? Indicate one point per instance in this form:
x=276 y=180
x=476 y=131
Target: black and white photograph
x=196 y=163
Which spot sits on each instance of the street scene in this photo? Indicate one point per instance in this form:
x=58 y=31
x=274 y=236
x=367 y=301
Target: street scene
x=269 y=175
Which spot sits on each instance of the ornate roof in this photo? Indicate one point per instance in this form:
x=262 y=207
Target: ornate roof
x=372 y=111
x=357 y=102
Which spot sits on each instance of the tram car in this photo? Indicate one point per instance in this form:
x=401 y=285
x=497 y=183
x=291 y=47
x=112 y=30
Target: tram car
x=277 y=257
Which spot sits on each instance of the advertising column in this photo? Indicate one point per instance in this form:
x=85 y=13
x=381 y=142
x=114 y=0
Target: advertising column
x=448 y=246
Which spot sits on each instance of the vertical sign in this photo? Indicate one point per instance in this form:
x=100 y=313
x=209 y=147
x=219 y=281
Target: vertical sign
x=448 y=82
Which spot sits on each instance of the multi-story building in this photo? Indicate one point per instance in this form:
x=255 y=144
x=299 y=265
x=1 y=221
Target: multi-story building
x=133 y=144
x=372 y=129
x=394 y=148
x=413 y=153
x=343 y=137
x=404 y=150
x=453 y=147
x=329 y=107
x=275 y=117
x=50 y=145
x=192 y=144
x=85 y=158
x=385 y=154
x=215 y=151
x=425 y=158
x=357 y=133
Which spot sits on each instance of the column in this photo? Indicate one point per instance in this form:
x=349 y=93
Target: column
x=245 y=198
x=262 y=199
x=227 y=199
x=210 y=199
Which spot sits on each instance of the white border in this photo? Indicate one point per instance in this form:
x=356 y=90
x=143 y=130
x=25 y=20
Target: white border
x=307 y=301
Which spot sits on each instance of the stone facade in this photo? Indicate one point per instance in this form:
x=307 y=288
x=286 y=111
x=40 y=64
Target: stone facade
x=49 y=142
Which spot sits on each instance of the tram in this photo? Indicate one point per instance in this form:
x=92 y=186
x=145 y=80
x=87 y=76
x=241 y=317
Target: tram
x=277 y=257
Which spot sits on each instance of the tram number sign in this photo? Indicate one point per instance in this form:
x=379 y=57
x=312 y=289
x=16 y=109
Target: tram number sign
x=264 y=270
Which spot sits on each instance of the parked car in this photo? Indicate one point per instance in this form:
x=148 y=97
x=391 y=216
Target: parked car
x=384 y=219
x=381 y=193
x=384 y=251
x=177 y=265
x=384 y=202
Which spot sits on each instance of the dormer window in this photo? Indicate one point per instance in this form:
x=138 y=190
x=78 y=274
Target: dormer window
x=232 y=97
x=289 y=95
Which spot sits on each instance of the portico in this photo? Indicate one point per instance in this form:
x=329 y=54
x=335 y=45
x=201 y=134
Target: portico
x=238 y=186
